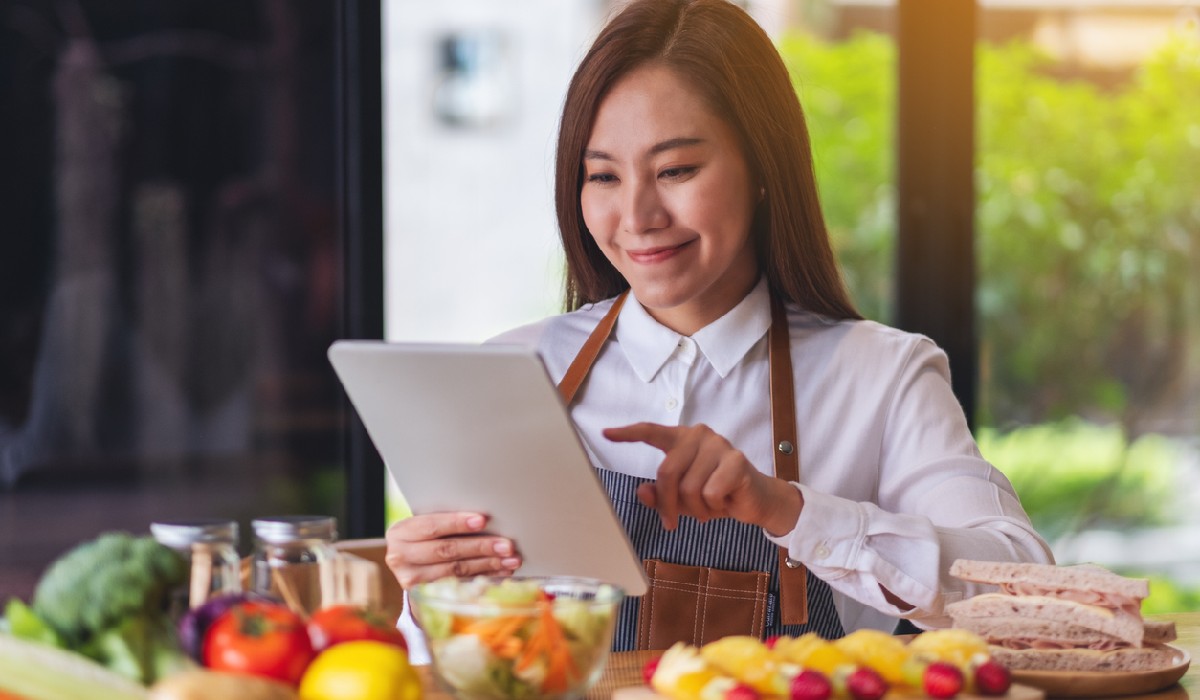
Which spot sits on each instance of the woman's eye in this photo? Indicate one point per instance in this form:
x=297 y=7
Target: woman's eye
x=677 y=173
x=601 y=178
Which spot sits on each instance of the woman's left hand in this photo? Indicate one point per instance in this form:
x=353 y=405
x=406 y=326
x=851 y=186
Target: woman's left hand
x=704 y=476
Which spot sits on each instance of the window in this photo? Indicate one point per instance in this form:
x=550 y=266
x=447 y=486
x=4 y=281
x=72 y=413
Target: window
x=176 y=270
x=1088 y=247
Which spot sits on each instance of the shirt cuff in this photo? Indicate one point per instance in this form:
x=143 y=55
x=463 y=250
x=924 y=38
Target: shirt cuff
x=828 y=534
x=831 y=539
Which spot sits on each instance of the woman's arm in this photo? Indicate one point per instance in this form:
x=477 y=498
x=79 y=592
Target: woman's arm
x=937 y=500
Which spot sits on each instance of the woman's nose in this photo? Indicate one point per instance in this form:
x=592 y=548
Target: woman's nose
x=643 y=209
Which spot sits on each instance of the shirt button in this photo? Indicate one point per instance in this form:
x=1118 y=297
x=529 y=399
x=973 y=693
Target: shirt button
x=822 y=552
x=672 y=404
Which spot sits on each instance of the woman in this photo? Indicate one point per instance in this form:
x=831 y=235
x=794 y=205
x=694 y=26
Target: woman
x=725 y=356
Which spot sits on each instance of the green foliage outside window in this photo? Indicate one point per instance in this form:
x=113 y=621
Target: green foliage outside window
x=1088 y=254
x=1074 y=476
x=1088 y=219
x=848 y=92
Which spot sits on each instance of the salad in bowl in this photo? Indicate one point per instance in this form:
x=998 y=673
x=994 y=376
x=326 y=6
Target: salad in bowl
x=515 y=638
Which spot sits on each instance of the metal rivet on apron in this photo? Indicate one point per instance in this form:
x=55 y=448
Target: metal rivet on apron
x=785 y=447
x=792 y=563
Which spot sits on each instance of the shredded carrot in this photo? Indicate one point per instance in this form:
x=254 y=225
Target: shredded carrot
x=459 y=624
x=492 y=627
x=508 y=648
x=560 y=668
x=499 y=634
x=533 y=647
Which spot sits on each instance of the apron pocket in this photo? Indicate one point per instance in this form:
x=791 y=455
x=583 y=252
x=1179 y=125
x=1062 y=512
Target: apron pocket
x=699 y=604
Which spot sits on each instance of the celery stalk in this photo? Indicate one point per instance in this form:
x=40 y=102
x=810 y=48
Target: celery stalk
x=41 y=672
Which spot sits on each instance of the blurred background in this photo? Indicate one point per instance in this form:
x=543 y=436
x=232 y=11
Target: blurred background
x=197 y=198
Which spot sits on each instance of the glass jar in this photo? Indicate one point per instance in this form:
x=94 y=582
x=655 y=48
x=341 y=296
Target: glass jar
x=209 y=545
x=290 y=552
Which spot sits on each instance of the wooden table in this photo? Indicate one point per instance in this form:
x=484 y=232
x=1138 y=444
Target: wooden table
x=625 y=668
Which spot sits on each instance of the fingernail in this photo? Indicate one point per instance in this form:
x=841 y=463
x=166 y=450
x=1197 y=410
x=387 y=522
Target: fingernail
x=510 y=563
x=475 y=522
x=503 y=548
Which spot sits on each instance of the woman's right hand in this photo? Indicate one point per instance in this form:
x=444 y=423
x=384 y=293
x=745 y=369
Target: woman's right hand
x=427 y=547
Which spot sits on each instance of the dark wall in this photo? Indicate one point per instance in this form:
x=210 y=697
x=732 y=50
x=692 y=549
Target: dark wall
x=170 y=266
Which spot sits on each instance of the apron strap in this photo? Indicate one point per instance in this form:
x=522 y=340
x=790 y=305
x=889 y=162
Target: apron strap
x=793 y=579
x=582 y=364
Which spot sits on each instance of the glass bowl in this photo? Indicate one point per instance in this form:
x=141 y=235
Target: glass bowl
x=517 y=638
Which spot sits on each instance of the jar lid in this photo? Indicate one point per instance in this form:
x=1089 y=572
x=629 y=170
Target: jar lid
x=183 y=533
x=283 y=528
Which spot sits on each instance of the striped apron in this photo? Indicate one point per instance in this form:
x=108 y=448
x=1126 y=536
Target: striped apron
x=727 y=544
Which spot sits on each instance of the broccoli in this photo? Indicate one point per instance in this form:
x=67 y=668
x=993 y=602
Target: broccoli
x=109 y=599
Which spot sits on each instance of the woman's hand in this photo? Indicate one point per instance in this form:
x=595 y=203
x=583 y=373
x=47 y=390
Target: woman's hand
x=427 y=547
x=704 y=476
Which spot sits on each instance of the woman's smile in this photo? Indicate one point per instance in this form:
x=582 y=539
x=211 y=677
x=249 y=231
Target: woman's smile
x=649 y=256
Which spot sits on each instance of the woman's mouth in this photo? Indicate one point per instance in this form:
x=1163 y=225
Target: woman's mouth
x=656 y=254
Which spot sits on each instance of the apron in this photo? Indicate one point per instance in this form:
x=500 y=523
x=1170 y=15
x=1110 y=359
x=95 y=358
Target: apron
x=708 y=580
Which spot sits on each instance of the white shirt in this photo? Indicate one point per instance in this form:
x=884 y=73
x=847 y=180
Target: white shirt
x=894 y=486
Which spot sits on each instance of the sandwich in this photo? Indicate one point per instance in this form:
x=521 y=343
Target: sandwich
x=1062 y=618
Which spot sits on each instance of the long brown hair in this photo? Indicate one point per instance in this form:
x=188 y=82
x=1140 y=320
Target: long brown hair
x=727 y=57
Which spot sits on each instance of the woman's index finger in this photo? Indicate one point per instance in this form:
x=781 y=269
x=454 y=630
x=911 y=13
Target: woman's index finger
x=654 y=434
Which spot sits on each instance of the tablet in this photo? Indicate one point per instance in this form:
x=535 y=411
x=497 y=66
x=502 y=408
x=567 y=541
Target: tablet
x=482 y=428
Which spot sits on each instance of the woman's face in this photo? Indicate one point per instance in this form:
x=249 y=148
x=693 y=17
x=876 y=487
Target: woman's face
x=669 y=198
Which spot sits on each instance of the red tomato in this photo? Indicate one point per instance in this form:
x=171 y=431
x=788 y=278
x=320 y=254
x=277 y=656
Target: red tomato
x=350 y=623
x=263 y=639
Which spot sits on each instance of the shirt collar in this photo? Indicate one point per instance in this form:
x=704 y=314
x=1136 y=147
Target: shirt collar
x=648 y=345
x=726 y=340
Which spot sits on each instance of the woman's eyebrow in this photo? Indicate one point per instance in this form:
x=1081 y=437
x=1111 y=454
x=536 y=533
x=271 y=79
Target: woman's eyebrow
x=661 y=146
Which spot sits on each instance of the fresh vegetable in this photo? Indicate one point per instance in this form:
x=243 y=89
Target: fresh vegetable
x=264 y=639
x=357 y=670
x=511 y=638
x=35 y=671
x=195 y=622
x=108 y=598
x=349 y=623
x=219 y=685
x=23 y=623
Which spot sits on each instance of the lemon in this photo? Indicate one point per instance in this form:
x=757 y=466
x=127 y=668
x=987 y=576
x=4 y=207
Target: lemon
x=361 y=670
